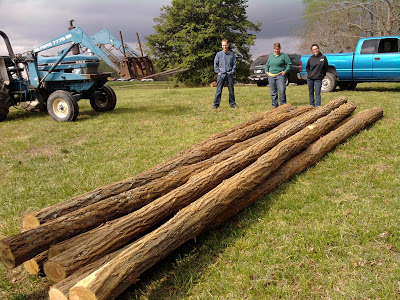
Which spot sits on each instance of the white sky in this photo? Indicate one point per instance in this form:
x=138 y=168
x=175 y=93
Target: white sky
x=30 y=23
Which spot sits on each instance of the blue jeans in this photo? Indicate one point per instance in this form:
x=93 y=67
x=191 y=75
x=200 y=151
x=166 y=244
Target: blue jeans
x=220 y=84
x=314 y=86
x=277 y=85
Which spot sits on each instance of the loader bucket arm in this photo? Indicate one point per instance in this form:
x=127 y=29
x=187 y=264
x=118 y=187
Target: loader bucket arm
x=105 y=37
x=75 y=36
x=132 y=65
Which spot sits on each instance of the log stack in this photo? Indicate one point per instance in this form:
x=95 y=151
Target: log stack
x=97 y=244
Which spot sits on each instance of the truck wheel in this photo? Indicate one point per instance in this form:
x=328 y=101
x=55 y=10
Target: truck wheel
x=261 y=84
x=62 y=107
x=104 y=101
x=328 y=83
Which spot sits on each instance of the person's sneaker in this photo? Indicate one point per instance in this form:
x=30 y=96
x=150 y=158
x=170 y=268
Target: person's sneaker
x=215 y=108
x=234 y=106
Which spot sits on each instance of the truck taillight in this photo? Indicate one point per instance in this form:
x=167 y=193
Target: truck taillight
x=301 y=65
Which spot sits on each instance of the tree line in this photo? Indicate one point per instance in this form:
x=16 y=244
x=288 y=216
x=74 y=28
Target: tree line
x=337 y=25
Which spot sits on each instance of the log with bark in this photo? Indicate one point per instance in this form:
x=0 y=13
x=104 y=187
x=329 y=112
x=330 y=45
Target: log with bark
x=35 y=265
x=91 y=245
x=303 y=160
x=24 y=246
x=111 y=279
x=60 y=290
x=199 y=152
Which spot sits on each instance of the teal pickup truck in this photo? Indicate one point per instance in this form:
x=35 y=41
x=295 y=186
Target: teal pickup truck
x=376 y=59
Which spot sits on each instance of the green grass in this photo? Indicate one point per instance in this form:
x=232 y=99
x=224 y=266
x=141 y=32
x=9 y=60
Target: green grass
x=331 y=232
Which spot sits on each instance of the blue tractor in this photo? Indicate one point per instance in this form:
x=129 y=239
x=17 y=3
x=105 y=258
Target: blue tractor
x=55 y=83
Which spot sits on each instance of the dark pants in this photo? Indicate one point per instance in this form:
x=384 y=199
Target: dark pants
x=277 y=85
x=314 y=86
x=220 y=84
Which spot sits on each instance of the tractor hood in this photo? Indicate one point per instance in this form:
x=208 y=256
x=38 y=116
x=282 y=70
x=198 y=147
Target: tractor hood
x=79 y=64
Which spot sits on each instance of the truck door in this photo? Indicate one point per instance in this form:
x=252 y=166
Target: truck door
x=386 y=62
x=362 y=67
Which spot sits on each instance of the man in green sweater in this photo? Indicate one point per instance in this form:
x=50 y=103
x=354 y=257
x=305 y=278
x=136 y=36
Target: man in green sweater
x=277 y=67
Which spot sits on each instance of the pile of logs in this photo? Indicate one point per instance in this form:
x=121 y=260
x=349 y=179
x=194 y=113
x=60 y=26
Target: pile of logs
x=97 y=244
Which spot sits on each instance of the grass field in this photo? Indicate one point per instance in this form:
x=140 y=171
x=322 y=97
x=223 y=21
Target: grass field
x=331 y=232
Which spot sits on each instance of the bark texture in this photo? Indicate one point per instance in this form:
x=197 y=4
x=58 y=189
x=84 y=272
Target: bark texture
x=303 y=160
x=197 y=153
x=112 y=235
x=111 y=279
x=19 y=248
x=61 y=289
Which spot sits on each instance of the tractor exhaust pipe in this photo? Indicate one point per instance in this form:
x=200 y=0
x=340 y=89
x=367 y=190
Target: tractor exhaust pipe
x=75 y=49
x=8 y=44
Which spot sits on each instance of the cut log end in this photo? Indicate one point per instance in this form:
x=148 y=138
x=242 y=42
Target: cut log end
x=30 y=222
x=32 y=267
x=56 y=294
x=54 y=271
x=52 y=252
x=81 y=293
x=6 y=255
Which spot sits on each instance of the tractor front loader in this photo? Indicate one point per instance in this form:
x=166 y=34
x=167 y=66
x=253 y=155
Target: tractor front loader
x=56 y=83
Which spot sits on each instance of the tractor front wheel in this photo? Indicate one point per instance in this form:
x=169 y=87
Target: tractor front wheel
x=62 y=107
x=105 y=100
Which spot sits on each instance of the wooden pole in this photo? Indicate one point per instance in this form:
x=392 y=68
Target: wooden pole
x=111 y=279
x=112 y=235
x=303 y=160
x=258 y=124
x=24 y=246
x=60 y=291
x=35 y=265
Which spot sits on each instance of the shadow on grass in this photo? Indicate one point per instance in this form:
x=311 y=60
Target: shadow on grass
x=21 y=114
x=88 y=113
x=173 y=277
x=40 y=295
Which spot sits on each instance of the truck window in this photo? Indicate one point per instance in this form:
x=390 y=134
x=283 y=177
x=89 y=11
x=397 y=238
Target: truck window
x=369 y=46
x=389 y=45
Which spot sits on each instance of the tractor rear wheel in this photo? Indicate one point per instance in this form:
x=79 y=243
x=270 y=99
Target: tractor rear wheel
x=5 y=101
x=62 y=107
x=104 y=101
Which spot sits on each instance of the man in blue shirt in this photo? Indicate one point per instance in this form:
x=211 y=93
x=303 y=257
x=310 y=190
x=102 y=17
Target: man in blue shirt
x=225 y=67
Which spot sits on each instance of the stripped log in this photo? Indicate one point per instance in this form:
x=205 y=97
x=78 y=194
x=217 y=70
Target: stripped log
x=114 y=277
x=35 y=265
x=199 y=152
x=112 y=235
x=24 y=246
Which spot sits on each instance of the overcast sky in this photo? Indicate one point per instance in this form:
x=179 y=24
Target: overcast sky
x=30 y=23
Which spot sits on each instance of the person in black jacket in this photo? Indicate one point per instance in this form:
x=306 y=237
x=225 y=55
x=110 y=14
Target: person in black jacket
x=317 y=65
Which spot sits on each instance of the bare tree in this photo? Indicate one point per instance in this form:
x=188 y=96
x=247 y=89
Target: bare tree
x=336 y=25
